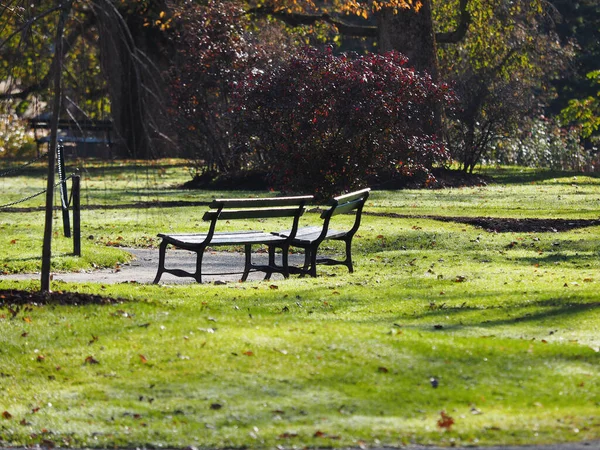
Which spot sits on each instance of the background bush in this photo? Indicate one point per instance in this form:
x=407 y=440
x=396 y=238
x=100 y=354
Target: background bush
x=324 y=124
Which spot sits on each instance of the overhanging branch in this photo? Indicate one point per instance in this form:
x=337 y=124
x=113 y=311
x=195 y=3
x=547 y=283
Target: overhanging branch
x=453 y=37
x=296 y=19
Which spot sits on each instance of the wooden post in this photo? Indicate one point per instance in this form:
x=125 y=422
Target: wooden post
x=76 y=215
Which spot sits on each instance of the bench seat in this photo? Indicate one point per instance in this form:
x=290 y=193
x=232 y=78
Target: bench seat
x=231 y=209
x=310 y=238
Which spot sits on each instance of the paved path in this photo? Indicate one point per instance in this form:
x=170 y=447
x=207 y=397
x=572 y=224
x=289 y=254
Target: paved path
x=229 y=266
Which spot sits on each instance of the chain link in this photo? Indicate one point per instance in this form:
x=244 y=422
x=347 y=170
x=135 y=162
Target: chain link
x=16 y=169
x=23 y=200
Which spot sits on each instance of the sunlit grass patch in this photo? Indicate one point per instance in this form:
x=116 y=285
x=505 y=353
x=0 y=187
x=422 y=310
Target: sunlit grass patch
x=497 y=330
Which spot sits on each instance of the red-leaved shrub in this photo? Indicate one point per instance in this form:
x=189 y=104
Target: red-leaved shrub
x=323 y=123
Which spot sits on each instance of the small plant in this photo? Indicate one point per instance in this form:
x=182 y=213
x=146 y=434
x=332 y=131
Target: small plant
x=543 y=144
x=324 y=123
x=15 y=140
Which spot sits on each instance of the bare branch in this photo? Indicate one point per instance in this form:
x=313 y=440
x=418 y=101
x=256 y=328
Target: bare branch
x=29 y=23
x=68 y=44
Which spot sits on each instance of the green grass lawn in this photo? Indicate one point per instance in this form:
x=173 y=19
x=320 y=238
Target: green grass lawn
x=499 y=331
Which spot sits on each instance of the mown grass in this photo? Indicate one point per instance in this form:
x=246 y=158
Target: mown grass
x=498 y=330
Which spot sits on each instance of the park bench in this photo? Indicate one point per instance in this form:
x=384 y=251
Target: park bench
x=91 y=137
x=232 y=209
x=310 y=238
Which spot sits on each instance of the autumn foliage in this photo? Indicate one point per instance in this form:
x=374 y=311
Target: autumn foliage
x=324 y=123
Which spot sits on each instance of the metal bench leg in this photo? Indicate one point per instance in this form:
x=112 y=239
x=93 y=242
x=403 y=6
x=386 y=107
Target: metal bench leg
x=306 y=265
x=198 y=274
x=161 y=261
x=313 y=262
x=268 y=273
x=285 y=270
x=248 y=262
x=348 y=261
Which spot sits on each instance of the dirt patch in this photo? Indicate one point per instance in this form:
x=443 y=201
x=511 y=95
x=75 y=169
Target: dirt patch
x=504 y=225
x=499 y=225
x=13 y=299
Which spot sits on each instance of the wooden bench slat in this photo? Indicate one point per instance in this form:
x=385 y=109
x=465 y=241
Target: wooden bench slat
x=352 y=195
x=259 y=202
x=346 y=207
x=262 y=213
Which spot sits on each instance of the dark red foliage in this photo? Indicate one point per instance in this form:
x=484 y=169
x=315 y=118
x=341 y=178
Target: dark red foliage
x=213 y=50
x=323 y=123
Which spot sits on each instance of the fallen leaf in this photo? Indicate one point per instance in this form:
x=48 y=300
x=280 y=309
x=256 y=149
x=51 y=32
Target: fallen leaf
x=288 y=435
x=382 y=369
x=143 y=359
x=216 y=406
x=6 y=415
x=249 y=353
x=91 y=360
x=40 y=358
x=273 y=286
x=445 y=421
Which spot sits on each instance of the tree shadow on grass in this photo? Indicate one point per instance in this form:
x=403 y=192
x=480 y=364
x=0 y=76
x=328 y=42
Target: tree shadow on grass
x=514 y=176
x=554 y=309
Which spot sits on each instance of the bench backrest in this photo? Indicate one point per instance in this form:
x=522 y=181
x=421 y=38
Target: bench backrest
x=347 y=203
x=257 y=208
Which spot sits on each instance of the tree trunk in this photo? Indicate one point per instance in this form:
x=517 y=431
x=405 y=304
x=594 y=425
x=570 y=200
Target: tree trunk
x=58 y=58
x=410 y=32
x=124 y=82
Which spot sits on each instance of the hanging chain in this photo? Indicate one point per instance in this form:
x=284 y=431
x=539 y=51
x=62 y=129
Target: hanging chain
x=63 y=185
x=8 y=205
x=16 y=169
